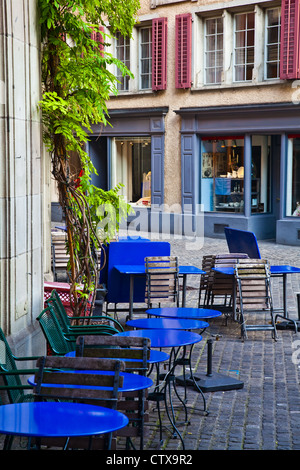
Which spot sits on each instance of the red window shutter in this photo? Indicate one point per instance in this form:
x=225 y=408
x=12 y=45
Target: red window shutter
x=290 y=38
x=97 y=36
x=159 y=53
x=183 y=51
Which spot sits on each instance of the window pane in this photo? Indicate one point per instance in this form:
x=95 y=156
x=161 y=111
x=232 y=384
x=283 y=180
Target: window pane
x=145 y=58
x=293 y=177
x=244 y=46
x=240 y=39
x=261 y=174
x=240 y=73
x=213 y=50
x=272 y=49
x=222 y=177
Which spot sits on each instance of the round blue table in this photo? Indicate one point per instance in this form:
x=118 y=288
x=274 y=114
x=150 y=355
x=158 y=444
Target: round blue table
x=177 y=340
x=172 y=323
x=58 y=419
x=131 y=382
x=184 y=313
x=166 y=338
x=155 y=356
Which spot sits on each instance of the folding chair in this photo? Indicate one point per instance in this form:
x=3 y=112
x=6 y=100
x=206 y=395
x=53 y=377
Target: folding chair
x=161 y=279
x=254 y=294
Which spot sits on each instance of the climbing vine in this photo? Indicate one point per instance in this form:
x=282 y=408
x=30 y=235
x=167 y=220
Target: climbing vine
x=77 y=82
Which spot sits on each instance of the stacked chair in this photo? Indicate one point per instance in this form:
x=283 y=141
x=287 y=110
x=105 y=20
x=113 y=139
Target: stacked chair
x=254 y=295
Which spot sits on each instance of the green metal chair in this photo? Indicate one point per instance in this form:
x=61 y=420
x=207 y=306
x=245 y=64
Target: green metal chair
x=59 y=342
x=72 y=331
x=10 y=374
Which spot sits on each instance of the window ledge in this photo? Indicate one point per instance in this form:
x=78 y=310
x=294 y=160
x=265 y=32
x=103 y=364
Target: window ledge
x=238 y=85
x=133 y=93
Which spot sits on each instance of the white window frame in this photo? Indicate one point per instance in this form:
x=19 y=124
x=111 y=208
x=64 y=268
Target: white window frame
x=149 y=27
x=245 y=48
x=215 y=50
x=266 y=45
x=123 y=84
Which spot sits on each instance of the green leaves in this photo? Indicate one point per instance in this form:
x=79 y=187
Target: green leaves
x=77 y=83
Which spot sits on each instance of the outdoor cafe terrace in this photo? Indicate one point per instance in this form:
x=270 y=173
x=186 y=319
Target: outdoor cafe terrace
x=262 y=414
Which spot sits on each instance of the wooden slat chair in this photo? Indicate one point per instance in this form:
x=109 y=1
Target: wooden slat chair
x=60 y=257
x=208 y=262
x=161 y=279
x=222 y=285
x=254 y=294
x=70 y=373
x=134 y=352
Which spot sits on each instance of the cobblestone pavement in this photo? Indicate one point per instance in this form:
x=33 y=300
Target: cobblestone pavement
x=265 y=413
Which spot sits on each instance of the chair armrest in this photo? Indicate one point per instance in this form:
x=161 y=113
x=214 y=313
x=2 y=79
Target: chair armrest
x=26 y=358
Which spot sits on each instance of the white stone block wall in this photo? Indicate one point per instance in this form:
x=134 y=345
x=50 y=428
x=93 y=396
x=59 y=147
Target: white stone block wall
x=24 y=180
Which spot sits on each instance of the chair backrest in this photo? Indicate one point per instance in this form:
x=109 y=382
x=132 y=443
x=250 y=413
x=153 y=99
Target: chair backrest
x=108 y=325
x=8 y=364
x=55 y=301
x=242 y=241
x=60 y=257
x=53 y=333
x=134 y=352
x=221 y=284
x=253 y=279
x=161 y=279
x=88 y=380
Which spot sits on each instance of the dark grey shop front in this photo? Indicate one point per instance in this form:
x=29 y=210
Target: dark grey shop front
x=239 y=163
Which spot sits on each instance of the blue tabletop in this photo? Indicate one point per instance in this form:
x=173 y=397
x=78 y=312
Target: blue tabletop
x=140 y=269
x=184 y=312
x=56 y=419
x=132 y=382
x=274 y=270
x=166 y=338
x=155 y=356
x=172 y=323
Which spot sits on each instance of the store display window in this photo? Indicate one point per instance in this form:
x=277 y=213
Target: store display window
x=222 y=174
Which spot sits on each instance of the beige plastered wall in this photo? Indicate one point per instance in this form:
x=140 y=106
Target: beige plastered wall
x=225 y=95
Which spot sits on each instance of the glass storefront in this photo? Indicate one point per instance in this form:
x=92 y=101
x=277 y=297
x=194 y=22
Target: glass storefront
x=131 y=164
x=261 y=149
x=293 y=177
x=222 y=174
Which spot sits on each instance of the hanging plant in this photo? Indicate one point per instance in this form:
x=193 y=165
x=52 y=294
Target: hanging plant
x=76 y=85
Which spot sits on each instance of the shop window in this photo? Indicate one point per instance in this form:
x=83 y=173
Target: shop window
x=222 y=178
x=244 y=47
x=123 y=54
x=213 y=51
x=272 y=52
x=131 y=166
x=260 y=173
x=293 y=177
